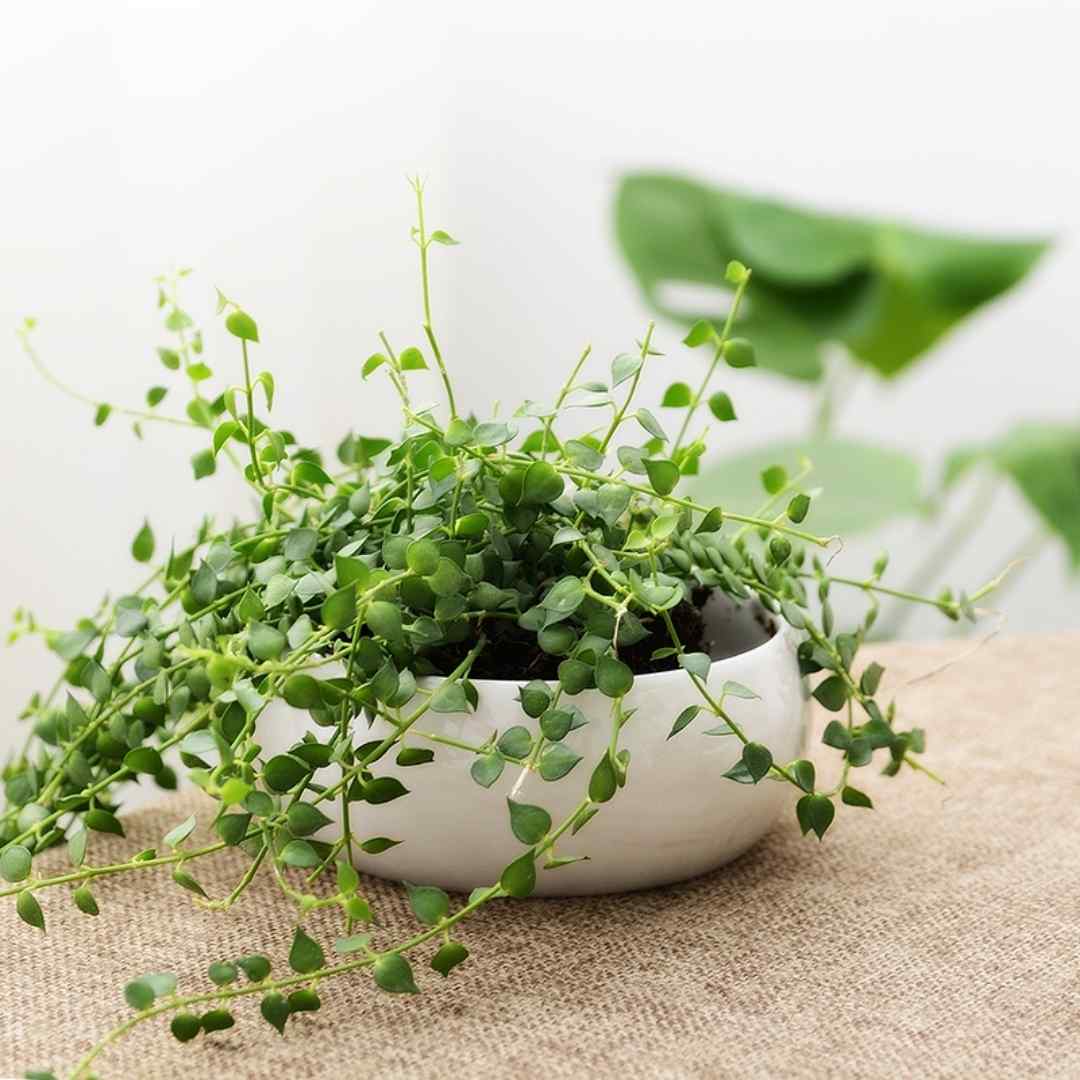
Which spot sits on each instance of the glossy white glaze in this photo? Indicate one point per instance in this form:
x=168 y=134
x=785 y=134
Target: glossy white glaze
x=676 y=817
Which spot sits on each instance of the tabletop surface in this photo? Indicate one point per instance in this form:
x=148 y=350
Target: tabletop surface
x=937 y=935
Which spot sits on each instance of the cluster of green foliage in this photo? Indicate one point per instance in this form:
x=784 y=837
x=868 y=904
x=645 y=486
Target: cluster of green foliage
x=869 y=297
x=399 y=549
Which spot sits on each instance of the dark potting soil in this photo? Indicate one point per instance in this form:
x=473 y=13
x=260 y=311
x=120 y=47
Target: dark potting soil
x=512 y=653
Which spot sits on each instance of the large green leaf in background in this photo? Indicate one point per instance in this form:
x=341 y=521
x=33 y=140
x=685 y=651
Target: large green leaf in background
x=886 y=291
x=1043 y=460
x=862 y=484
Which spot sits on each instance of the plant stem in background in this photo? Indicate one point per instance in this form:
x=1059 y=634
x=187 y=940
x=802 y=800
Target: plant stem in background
x=943 y=552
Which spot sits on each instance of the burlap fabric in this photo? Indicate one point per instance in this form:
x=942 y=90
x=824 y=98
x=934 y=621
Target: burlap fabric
x=937 y=936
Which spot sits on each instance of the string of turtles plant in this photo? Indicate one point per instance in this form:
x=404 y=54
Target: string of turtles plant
x=414 y=558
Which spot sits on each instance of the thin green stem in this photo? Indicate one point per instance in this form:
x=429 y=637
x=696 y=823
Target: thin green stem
x=423 y=242
x=620 y=413
x=729 y=322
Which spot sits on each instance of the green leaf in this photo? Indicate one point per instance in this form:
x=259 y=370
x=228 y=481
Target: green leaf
x=697 y=663
x=223 y=433
x=613 y=677
x=372 y=363
x=798 y=508
x=301 y=854
x=1043 y=461
x=222 y=973
x=430 y=904
x=103 y=821
x=624 y=366
x=255 y=967
x=301 y=692
x=384 y=620
x=774 y=478
x=871 y=678
x=203 y=464
x=721 y=407
x=603 y=782
x=378 y=844
x=142 y=547
x=441 y=236
x=266 y=381
x=836 y=735
x=731 y=688
x=516 y=741
x=863 y=485
x=530 y=824
x=170 y=358
x=832 y=693
x=888 y=292
x=701 y=332
x=449 y=697
x=685 y=717
x=275 y=1010
x=216 y=1020
x=84 y=900
x=421 y=557
x=739 y=353
x=412 y=359
x=815 y=812
x=757 y=759
x=15 y=863
x=804 y=774
x=393 y=974
x=448 y=957
x=486 y=769
x=565 y=596
x=101 y=414
x=186 y=881
x=339 y=608
x=265 y=642
x=519 y=878
x=242 y=325
x=304 y=1000
x=283 y=772
x=143 y=759
x=677 y=396
x=854 y=797
x=384 y=789
x=305 y=955
x=354 y=943
x=185 y=1026
x=663 y=475
x=556 y=761
x=300 y=544
x=308 y=472
x=29 y=910
x=542 y=484
x=651 y=424
x=175 y=837
x=139 y=994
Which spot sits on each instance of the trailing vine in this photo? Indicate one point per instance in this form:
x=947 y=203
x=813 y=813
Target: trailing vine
x=404 y=563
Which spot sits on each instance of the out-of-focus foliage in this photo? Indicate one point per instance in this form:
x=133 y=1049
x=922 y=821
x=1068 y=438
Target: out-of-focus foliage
x=886 y=291
x=862 y=484
x=1043 y=461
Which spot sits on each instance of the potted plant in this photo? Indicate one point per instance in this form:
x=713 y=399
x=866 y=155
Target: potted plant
x=482 y=637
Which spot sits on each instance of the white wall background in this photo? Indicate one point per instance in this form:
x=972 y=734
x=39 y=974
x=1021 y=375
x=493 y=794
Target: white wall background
x=266 y=145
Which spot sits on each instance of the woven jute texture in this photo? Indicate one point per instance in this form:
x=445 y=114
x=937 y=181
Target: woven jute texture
x=937 y=936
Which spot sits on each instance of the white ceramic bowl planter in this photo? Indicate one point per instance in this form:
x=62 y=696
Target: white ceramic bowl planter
x=676 y=817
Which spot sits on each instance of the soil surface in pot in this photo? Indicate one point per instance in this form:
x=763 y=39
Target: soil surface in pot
x=513 y=654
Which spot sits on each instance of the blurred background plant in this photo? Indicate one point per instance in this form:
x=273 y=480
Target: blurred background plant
x=837 y=299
